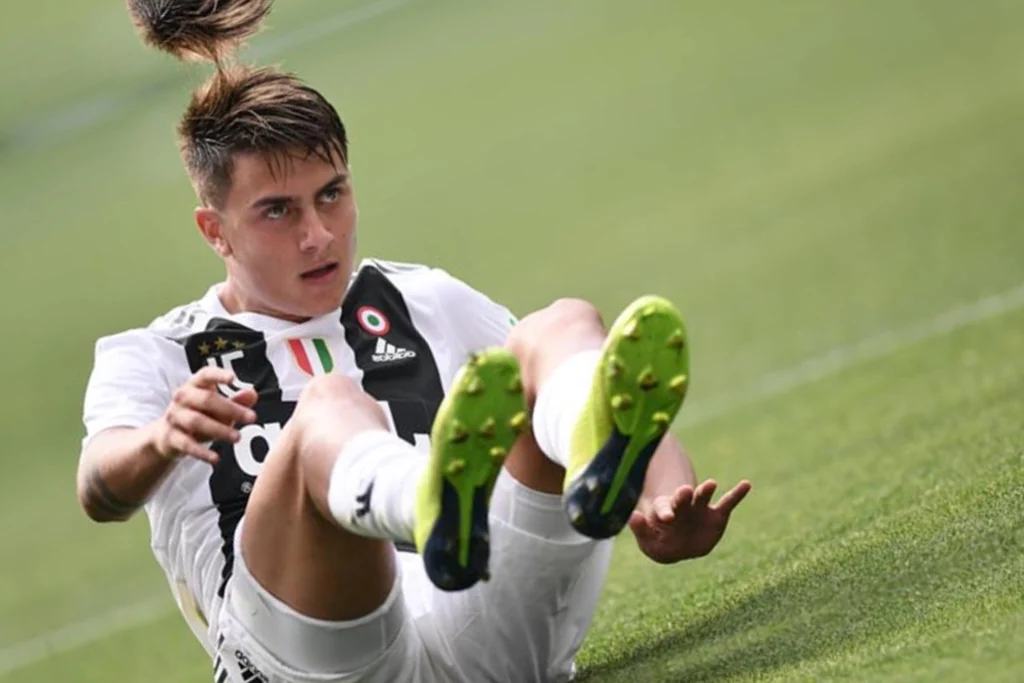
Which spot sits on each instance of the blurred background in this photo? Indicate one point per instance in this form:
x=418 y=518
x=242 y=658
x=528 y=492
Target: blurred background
x=831 y=191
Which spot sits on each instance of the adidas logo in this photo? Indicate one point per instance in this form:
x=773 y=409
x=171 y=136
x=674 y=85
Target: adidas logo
x=385 y=353
x=250 y=674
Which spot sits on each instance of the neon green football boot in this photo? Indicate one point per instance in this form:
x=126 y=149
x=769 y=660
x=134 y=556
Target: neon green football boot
x=639 y=387
x=474 y=429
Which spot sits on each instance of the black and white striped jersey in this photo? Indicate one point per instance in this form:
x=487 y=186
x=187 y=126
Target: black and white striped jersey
x=402 y=332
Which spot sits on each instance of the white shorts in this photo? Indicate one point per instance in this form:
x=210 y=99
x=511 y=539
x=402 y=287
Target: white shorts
x=524 y=625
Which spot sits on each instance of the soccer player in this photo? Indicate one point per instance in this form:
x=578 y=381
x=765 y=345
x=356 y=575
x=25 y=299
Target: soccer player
x=371 y=472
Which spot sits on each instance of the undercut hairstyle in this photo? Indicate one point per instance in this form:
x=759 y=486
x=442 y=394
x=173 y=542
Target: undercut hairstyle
x=240 y=109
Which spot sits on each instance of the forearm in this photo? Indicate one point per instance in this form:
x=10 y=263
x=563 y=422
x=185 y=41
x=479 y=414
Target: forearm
x=118 y=472
x=669 y=469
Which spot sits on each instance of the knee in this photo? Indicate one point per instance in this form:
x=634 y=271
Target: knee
x=567 y=311
x=331 y=408
x=330 y=388
x=560 y=320
x=333 y=394
x=542 y=340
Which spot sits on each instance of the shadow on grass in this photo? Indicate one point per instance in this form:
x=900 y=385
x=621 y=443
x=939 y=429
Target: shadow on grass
x=866 y=590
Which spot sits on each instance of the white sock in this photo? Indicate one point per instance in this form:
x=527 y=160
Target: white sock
x=372 y=490
x=560 y=402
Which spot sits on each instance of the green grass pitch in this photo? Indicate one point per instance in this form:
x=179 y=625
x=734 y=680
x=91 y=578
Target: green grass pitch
x=834 y=181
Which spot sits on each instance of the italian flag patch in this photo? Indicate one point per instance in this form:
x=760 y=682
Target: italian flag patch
x=313 y=356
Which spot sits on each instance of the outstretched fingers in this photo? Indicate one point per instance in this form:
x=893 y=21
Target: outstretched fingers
x=702 y=496
x=683 y=498
x=733 y=498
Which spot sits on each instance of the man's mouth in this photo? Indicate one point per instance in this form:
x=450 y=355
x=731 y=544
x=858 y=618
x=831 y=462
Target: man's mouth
x=321 y=272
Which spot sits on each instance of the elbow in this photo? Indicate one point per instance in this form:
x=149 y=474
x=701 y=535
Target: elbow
x=101 y=516
x=95 y=497
x=94 y=512
x=97 y=511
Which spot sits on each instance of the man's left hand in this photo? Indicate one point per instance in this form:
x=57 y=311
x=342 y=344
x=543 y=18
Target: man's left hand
x=684 y=525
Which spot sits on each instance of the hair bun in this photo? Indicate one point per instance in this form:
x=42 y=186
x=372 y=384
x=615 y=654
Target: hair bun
x=208 y=30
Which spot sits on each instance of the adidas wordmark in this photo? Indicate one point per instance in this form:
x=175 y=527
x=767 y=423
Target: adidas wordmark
x=385 y=352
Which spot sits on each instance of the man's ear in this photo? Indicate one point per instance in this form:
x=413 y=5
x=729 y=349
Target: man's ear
x=211 y=225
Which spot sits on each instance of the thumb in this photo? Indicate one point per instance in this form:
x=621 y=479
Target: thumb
x=664 y=510
x=638 y=524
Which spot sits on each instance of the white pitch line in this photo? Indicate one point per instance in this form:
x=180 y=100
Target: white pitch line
x=843 y=357
x=49 y=129
x=82 y=633
x=772 y=384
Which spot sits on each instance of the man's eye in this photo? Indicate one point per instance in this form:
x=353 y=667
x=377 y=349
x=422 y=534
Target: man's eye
x=330 y=195
x=275 y=212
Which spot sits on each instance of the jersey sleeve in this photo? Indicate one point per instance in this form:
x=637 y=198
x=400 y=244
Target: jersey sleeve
x=473 y=318
x=129 y=385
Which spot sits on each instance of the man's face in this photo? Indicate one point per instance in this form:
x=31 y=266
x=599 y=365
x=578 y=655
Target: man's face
x=287 y=237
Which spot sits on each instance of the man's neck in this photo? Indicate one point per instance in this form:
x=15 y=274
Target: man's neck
x=235 y=302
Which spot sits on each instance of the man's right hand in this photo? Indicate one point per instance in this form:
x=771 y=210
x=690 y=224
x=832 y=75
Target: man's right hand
x=199 y=413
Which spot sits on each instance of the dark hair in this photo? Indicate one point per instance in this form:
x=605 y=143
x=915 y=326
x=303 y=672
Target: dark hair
x=240 y=109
